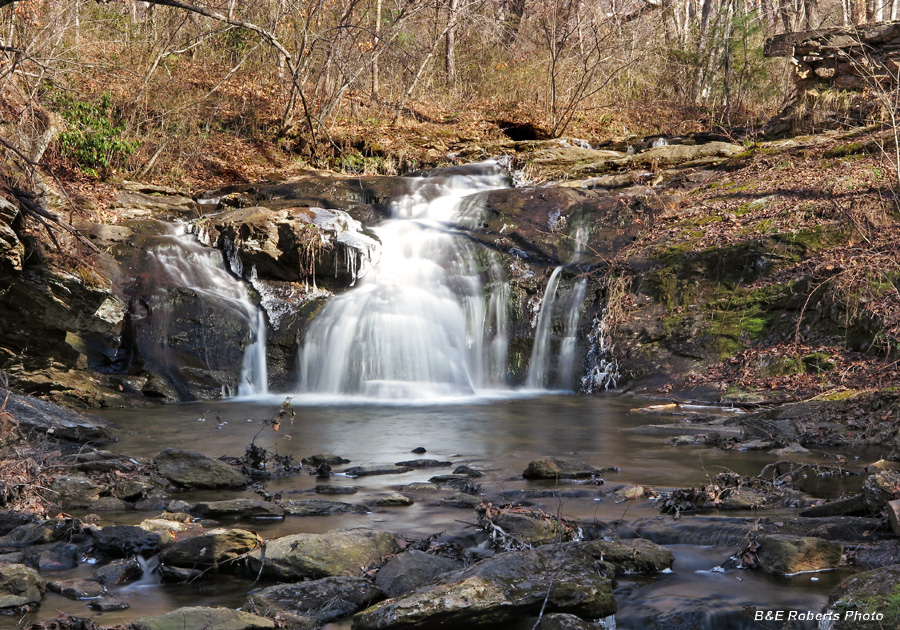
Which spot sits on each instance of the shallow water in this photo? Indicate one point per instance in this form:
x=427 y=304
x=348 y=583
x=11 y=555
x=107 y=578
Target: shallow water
x=499 y=436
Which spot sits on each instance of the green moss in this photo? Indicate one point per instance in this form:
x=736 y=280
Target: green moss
x=783 y=366
x=851 y=148
x=818 y=362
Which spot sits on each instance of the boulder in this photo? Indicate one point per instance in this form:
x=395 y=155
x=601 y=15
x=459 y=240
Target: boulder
x=196 y=617
x=413 y=569
x=339 y=552
x=211 y=548
x=553 y=468
x=239 y=508
x=501 y=589
x=893 y=510
x=41 y=416
x=126 y=540
x=782 y=554
x=881 y=487
x=19 y=586
x=321 y=600
x=57 y=557
x=195 y=470
x=632 y=556
x=119 y=572
x=27 y=534
x=560 y=621
x=74 y=491
x=321 y=507
x=296 y=244
x=530 y=528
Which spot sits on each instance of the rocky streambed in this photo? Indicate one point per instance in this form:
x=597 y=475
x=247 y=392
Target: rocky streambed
x=477 y=515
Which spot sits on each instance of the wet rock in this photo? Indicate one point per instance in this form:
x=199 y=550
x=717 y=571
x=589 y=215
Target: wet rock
x=324 y=458
x=461 y=500
x=102 y=461
x=423 y=463
x=19 y=586
x=468 y=472
x=11 y=520
x=195 y=470
x=321 y=507
x=875 y=555
x=195 y=617
x=272 y=241
x=880 y=488
x=339 y=552
x=324 y=488
x=77 y=589
x=74 y=491
x=393 y=500
x=845 y=506
x=41 y=416
x=320 y=600
x=499 y=590
x=58 y=557
x=780 y=554
x=632 y=556
x=27 y=534
x=109 y=605
x=181 y=575
x=138 y=201
x=239 y=508
x=131 y=489
x=411 y=570
x=376 y=469
x=211 y=548
x=119 y=572
x=553 y=468
x=419 y=450
x=463 y=483
x=869 y=592
x=126 y=540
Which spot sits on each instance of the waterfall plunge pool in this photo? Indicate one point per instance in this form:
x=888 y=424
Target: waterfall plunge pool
x=497 y=436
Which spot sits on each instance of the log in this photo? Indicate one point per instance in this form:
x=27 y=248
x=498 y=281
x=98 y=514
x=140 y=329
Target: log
x=874 y=34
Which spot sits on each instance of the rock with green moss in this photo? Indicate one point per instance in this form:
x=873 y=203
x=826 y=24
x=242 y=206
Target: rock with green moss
x=782 y=554
x=196 y=617
x=556 y=578
x=19 y=586
x=211 y=548
x=340 y=552
x=868 y=601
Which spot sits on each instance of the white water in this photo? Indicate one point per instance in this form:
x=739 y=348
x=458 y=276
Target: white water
x=418 y=326
x=187 y=263
x=542 y=373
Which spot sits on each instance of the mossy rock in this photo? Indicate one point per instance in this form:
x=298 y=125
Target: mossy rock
x=876 y=591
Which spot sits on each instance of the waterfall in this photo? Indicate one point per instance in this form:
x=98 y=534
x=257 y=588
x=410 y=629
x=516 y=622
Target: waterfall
x=184 y=263
x=540 y=368
x=418 y=325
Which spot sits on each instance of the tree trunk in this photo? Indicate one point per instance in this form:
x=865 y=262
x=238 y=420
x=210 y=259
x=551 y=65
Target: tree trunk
x=375 y=41
x=450 y=59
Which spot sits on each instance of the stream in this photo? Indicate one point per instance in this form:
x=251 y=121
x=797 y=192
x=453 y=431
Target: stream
x=497 y=436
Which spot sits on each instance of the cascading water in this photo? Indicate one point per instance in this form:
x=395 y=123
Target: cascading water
x=182 y=262
x=418 y=326
x=542 y=374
